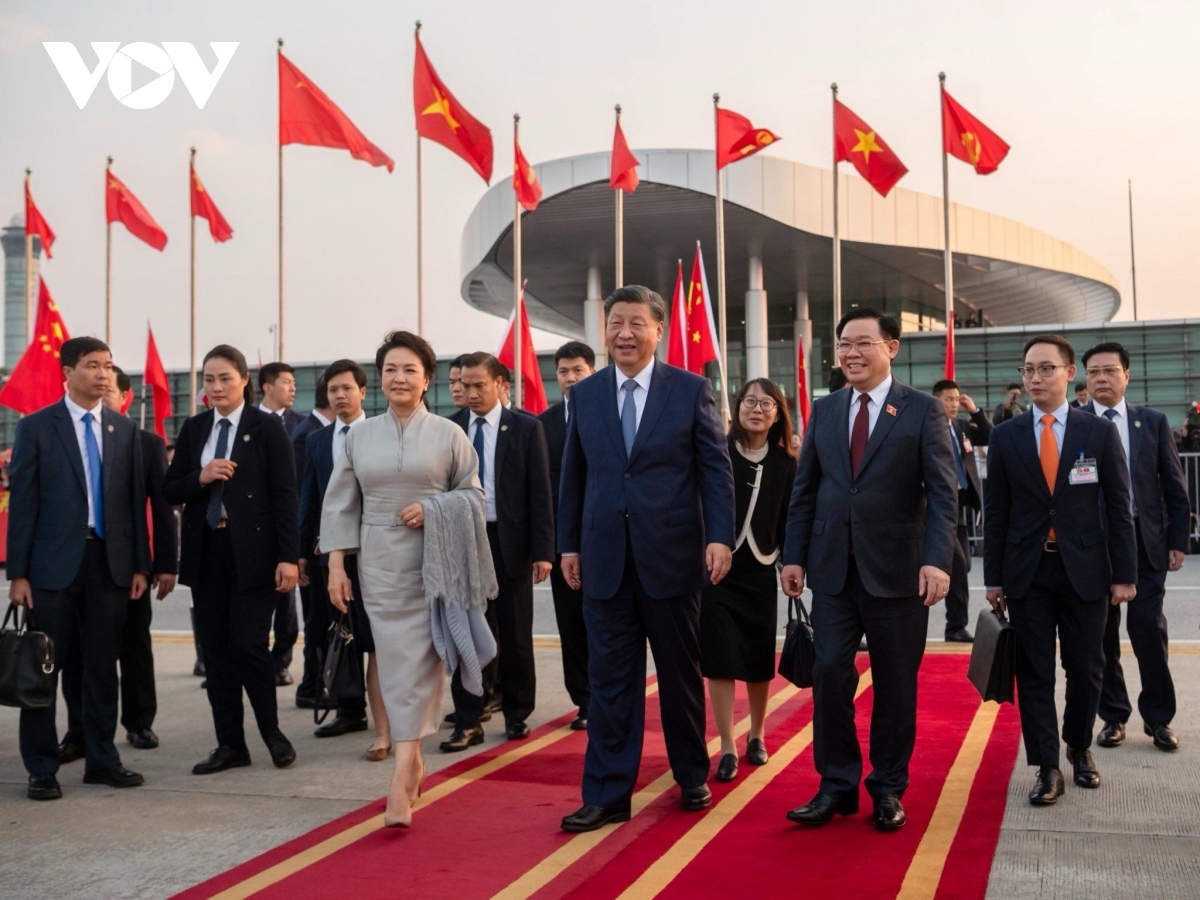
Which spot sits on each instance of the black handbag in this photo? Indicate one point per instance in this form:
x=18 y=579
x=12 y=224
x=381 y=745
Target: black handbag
x=993 y=667
x=341 y=669
x=796 y=660
x=28 y=675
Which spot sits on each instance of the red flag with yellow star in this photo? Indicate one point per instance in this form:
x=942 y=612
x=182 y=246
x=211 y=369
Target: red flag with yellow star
x=737 y=138
x=441 y=118
x=203 y=206
x=701 y=334
x=120 y=205
x=965 y=137
x=37 y=379
x=36 y=224
x=677 y=339
x=525 y=183
x=856 y=142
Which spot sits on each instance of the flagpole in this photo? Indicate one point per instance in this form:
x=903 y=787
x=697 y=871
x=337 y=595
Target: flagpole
x=107 y=263
x=948 y=277
x=29 y=264
x=142 y=416
x=1132 y=255
x=192 y=309
x=837 y=240
x=724 y=356
x=279 y=336
x=517 y=383
x=420 y=231
x=620 y=252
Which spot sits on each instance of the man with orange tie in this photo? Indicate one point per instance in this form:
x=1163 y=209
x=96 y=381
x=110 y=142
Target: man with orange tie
x=1059 y=547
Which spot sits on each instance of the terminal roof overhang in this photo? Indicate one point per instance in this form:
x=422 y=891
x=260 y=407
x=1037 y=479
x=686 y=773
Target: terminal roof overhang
x=779 y=211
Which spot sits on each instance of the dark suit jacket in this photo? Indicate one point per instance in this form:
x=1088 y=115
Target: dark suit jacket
x=1159 y=489
x=166 y=544
x=1095 y=538
x=971 y=433
x=291 y=420
x=524 y=514
x=299 y=436
x=318 y=469
x=554 y=424
x=673 y=492
x=260 y=498
x=48 y=506
x=901 y=509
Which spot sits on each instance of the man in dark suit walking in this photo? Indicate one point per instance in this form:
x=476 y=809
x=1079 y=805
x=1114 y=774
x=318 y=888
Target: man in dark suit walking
x=872 y=529
x=965 y=436
x=573 y=362
x=77 y=554
x=1059 y=546
x=1161 y=515
x=515 y=471
x=646 y=513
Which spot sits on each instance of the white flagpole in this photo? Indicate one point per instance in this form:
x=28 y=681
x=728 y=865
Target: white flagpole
x=837 y=240
x=620 y=249
x=29 y=266
x=192 y=310
x=517 y=392
x=1132 y=254
x=279 y=336
x=420 y=232
x=107 y=264
x=948 y=277
x=723 y=355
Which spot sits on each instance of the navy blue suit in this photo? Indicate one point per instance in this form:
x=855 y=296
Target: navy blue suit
x=640 y=523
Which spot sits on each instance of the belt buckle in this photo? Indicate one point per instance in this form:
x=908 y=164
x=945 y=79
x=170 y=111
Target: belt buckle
x=1049 y=546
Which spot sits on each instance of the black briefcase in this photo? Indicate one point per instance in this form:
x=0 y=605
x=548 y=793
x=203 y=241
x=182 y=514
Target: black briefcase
x=993 y=668
x=28 y=675
x=798 y=655
x=341 y=669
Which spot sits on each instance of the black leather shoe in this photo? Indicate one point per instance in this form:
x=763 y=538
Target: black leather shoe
x=117 y=777
x=823 y=807
x=221 y=759
x=69 y=752
x=1048 y=787
x=516 y=731
x=1111 y=735
x=589 y=818
x=143 y=738
x=756 y=752
x=959 y=636
x=1164 y=737
x=43 y=787
x=283 y=754
x=889 y=814
x=579 y=723
x=283 y=678
x=341 y=725
x=460 y=739
x=198 y=669
x=204 y=684
x=1086 y=775
x=307 y=701
x=494 y=705
x=695 y=799
x=727 y=769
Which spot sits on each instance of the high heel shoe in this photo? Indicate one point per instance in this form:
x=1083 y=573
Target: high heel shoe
x=420 y=782
x=394 y=822
x=379 y=754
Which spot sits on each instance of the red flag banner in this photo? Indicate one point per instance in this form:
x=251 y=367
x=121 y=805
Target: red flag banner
x=155 y=375
x=442 y=119
x=965 y=137
x=203 y=206
x=803 y=403
x=36 y=224
x=37 y=379
x=622 y=173
x=307 y=116
x=701 y=334
x=525 y=182
x=534 y=392
x=949 y=369
x=122 y=206
x=854 y=141
x=737 y=138
x=677 y=340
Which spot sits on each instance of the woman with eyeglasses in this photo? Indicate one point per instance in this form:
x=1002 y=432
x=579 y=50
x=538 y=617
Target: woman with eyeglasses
x=738 y=616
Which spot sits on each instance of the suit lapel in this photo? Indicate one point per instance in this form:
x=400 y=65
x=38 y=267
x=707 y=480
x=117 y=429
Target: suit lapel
x=66 y=431
x=246 y=433
x=1027 y=450
x=608 y=408
x=841 y=424
x=1135 y=432
x=895 y=400
x=1074 y=437
x=204 y=424
x=326 y=459
x=502 y=441
x=656 y=402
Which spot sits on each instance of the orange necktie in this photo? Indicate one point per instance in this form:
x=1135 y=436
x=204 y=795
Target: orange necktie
x=1048 y=451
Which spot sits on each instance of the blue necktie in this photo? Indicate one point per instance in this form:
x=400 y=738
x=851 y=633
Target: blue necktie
x=958 y=462
x=345 y=429
x=96 y=471
x=1110 y=414
x=217 y=488
x=629 y=415
x=478 y=444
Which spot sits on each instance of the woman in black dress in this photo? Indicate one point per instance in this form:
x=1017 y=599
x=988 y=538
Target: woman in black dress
x=738 y=616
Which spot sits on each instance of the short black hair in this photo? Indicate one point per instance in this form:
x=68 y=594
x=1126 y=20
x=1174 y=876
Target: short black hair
x=888 y=326
x=456 y=363
x=837 y=379
x=124 y=382
x=320 y=395
x=1064 y=346
x=340 y=367
x=1013 y=386
x=946 y=384
x=271 y=371
x=575 y=350
x=77 y=348
x=636 y=293
x=494 y=367
x=1108 y=347
x=1082 y=386
x=406 y=340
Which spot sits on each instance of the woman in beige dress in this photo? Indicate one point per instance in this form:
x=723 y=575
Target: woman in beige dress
x=373 y=509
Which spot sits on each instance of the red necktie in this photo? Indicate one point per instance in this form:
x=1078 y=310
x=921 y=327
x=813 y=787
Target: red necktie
x=858 y=437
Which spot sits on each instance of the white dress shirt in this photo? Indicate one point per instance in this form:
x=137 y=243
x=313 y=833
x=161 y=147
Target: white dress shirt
x=272 y=412
x=567 y=407
x=1121 y=420
x=77 y=413
x=339 y=435
x=320 y=418
x=490 y=432
x=878 y=396
x=640 y=393
x=1059 y=426
x=209 y=453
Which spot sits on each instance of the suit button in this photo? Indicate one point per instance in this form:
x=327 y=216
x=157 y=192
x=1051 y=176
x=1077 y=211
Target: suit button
x=854 y=490
x=249 y=496
x=258 y=528
x=626 y=474
x=1051 y=512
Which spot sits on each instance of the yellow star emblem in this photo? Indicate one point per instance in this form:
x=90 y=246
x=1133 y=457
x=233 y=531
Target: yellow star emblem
x=695 y=337
x=866 y=145
x=971 y=142
x=199 y=184
x=441 y=107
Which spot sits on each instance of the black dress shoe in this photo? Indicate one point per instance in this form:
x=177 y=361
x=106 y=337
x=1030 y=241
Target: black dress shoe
x=727 y=770
x=756 y=752
x=341 y=725
x=1164 y=737
x=1048 y=787
x=69 y=752
x=143 y=738
x=494 y=705
x=221 y=759
x=589 y=818
x=695 y=799
x=1086 y=775
x=117 y=777
x=1111 y=735
x=823 y=807
x=460 y=739
x=283 y=754
x=198 y=669
x=516 y=731
x=959 y=636
x=43 y=787
x=579 y=723
x=283 y=678
x=889 y=814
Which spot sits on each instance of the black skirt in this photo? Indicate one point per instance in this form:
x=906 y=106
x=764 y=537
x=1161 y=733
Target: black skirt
x=738 y=622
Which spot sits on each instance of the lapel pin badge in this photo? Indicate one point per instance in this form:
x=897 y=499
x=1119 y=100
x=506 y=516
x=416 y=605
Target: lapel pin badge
x=246 y=438
x=111 y=429
x=891 y=410
x=1137 y=423
x=504 y=428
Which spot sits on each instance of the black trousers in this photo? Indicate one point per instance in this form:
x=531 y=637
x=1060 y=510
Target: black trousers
x=1148 y=634
x=234 y=627
x=85 y=620
x=895 y=629
x=1052 y=609
x=513 y=617
x=287 y=629
x=310 y=680
x=959 y=594
x=572 y=632
x=316 y=632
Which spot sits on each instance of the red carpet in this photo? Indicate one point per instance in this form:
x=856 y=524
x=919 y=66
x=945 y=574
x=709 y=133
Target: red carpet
x=489 y=824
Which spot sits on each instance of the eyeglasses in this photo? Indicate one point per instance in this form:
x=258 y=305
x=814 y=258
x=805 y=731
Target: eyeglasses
x=766 y=404
x=1044 y=371
x=1107 y=371
x=844 y=347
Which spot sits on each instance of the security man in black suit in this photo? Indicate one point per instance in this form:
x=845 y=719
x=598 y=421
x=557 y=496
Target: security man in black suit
x=515 y=472
x=965 y=436
x=1161 y=516
x=1059 y=546
x=78 y=553
x=573 y=362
